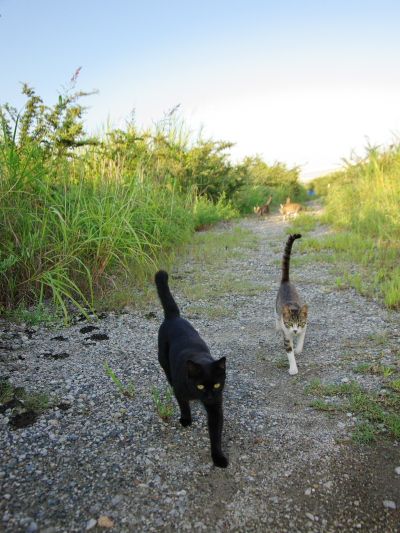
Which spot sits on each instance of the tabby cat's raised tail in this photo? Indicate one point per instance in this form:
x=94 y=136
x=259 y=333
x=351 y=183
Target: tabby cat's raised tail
x=286 y=256
x=171 y=310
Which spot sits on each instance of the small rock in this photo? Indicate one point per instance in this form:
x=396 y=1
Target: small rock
x=106 y=522
x=389 y=504
x=307 y=492
x=117 y=499
x=91 y=524
x=397 y=470
x=310 y=516
x=32 y=527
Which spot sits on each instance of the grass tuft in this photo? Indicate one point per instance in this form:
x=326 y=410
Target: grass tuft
x=303 y=223
x=163 y=402
x=379 y=411
x=364 y=433
x=124 y=390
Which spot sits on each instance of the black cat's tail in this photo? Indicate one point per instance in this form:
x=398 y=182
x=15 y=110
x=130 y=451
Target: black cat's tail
x=286 y=256
x=171 y=310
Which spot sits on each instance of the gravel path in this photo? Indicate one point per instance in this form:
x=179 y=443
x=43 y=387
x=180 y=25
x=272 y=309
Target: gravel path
x=102 y=459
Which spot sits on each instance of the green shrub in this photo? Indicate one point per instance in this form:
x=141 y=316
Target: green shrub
x=207 y=212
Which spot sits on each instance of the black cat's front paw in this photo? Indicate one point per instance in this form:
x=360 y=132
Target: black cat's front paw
x=185 y=422
x=220 y=460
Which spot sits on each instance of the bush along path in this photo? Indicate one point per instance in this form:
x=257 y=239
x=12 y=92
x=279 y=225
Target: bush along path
x=102 y=446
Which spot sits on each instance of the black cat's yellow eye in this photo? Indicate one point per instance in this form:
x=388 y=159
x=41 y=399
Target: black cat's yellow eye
x=200 y=387
x=217 y=385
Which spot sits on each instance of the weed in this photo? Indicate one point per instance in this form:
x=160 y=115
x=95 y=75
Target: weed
x=319 y=389
x=364 y=433
x=37 y=402
x=392 y=422
x=227 y=285
x=340 y=283
x=125 y=390
x=379 y=339
x=380 y=412
x=380 y=370
x=34 y=315
x=303 y=223
x=395 y=385
x=321 y=405
x=163 y=402
x=367 y=405
x=6 y=391
x=210 y=310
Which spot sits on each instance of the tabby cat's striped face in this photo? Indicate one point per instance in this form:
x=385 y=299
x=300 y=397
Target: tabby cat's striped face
x=295 y=320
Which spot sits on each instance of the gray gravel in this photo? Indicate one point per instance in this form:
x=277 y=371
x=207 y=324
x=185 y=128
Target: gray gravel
x=106 y=459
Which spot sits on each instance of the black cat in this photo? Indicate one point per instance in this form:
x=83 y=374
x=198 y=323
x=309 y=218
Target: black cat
x=191 y=371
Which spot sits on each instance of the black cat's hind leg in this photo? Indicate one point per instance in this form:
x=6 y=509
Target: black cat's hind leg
x=186 y=415
x=215 y=422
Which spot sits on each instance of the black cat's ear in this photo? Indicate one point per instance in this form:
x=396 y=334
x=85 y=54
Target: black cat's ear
x=221 y=363
x=194 y=369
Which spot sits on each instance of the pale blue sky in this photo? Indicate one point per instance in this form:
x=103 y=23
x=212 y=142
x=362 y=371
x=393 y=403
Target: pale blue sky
x=303 y=82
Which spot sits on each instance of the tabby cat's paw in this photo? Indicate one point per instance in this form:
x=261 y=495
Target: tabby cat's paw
x=293 y=371
x=185 y=422
x=220 y=460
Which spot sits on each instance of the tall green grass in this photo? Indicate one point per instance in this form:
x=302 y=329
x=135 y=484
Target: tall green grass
x=363 y=202
x=64 y=235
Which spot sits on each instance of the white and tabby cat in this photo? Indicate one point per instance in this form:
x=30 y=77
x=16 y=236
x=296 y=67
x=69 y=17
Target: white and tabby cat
x=291 y=312
x=289 y=210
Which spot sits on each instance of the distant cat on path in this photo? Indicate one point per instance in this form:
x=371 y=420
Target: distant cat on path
x=191 y=371
x=289 y=209
x=263 y=209
x=291 y=312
